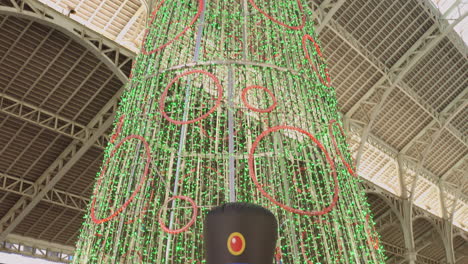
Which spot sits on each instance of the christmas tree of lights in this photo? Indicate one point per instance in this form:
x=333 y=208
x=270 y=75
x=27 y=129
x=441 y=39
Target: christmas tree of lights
x=228 y=101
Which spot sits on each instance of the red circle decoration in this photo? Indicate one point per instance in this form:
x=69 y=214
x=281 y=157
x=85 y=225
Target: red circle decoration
x=279 y=22
x=164 y=95
x=273 y=200
x=201 y=4
x=187 y=226
x=137 y=189
x=307 y=55
x=330 y=130
x=246 y=103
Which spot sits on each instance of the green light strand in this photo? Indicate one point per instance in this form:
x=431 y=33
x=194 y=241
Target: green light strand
x=292 y=90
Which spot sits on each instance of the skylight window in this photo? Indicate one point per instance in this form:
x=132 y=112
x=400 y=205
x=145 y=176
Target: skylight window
x=453 y=9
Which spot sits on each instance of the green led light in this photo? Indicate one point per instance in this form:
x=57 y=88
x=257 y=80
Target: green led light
x=205 y=64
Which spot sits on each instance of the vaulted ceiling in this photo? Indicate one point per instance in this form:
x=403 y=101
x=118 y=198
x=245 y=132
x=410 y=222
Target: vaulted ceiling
x=399 y=71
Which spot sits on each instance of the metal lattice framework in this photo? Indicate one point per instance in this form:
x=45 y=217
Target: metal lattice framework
x=362 y=41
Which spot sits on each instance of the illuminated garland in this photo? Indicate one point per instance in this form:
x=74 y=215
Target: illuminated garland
x=227 y=89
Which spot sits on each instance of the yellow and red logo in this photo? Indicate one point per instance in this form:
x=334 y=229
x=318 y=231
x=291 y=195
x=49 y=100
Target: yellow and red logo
x=236 y=243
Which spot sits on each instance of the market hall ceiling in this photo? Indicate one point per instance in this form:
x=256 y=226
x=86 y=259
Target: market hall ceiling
x=61 y=76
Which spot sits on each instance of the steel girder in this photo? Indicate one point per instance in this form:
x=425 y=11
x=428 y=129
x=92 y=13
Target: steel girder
x=450 y=112
x=36 y=248
x=407 y=210
x=422 y=144
x=108 y=51
x=103 y=48
x=387 y=220
x=47 y=180
x=409 y=255
x=460 y=169
x=346 y=36
x=377 y=95
x=325 y=12
x=51 y=121
x=442 y=23
x=55 y=196
x=399 y=159
x=131 y=22
x=99 y=125
x=419 y=148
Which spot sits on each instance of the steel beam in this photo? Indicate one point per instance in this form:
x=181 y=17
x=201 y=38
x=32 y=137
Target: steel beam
x=401 y=177
x=107 y=50
x=378 y=94
x=449 y=112
x=55 y=196
x=399 y=251
x=386 y=220
x=59 y=168
x=52 y=175
x=442 y=23
x=447 y=225
x=393 y=153
x=37 y=248
x=130 y=23
x=431 y=134
x=425 y=240
x=460 y=169
x=51 y=121
x=327 y=9
x=410 y=254
x=394 y=249
x=348 y=38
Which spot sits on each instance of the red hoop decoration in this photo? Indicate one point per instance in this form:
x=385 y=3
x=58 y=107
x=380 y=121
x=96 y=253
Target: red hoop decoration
x=140 y=257
x=246 y=103
x=279 y=22
x=103 y=171
x=307 y=55
x=330 y=130
x=186 y=227
x=164 y=95
x=273 y=200
x=201 y=4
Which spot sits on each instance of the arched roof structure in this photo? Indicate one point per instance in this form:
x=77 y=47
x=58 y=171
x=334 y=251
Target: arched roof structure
x=398 y=67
